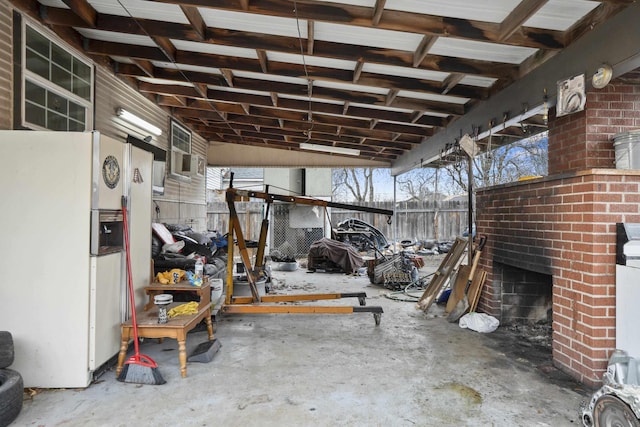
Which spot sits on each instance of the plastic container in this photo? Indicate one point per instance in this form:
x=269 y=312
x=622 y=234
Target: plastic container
x=241 y=288
x=216 y=290
x=285 y=266
x=199 y=268
x=627 y=149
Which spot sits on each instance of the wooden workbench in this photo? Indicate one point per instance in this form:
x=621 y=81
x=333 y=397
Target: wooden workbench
x=176 y=328
x=158 y=288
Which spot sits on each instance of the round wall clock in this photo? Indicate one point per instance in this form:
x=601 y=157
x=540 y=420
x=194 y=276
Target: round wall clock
x=111 y=171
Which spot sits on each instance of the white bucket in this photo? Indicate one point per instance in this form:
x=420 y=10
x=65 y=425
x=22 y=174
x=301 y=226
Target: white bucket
x=627 y=149
x=216 y=290
x=241 y=288
x=285 y=266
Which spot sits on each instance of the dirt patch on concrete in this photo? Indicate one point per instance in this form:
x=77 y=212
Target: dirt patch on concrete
x=528 y=347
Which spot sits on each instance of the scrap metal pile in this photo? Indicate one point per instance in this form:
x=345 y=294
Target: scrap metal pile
x=395 y=265
x=361 y=235
x=394 y=272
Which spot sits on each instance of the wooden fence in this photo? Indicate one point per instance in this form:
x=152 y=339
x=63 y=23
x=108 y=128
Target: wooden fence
x=412 y=220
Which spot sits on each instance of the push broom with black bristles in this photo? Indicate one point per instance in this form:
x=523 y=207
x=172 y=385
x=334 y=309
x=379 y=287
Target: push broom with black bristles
x=139 y=368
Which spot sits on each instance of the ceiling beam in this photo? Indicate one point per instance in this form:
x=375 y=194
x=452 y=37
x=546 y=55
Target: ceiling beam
x=393 y=20
x=594 y=18
x=423 y=49
x=389 y=100
x=391 y=96
x=63 y=17
x=518 y=16
x=166 y=47
x=197 y=23
x=378 y=8
x=83 y=10
x=201 y=88
x=298 y=122
x=358 y=70
x=292 y=104
x=228 y=76
x=310 y=36
x=611 y=42
x=145 y=66
x=451 y=81
x=262 y=58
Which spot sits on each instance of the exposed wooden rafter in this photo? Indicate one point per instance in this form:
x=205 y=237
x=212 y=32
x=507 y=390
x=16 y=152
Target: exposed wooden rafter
x=378 y=8
x=197 y=23
x=268 y=87
x=310 y=37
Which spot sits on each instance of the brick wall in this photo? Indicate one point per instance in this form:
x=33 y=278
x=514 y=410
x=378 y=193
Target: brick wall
x=563 y=225
x=526 y=295
x=583 y=140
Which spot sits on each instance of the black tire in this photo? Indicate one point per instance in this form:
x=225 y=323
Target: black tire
x=11 y=391
x=6 y=349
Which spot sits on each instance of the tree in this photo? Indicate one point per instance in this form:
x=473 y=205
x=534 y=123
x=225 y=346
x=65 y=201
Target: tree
x=418 y=184
x=508 y=163
x=353 y=184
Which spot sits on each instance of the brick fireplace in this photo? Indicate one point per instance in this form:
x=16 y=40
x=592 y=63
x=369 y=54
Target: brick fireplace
x=552 y=241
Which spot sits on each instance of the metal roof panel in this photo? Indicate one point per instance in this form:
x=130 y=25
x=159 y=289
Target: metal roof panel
x=250 y=22
x=141 y=9
x=363 y=36
x=481 y=10
x=560 y=15
x=215 y=49
x=483 y=51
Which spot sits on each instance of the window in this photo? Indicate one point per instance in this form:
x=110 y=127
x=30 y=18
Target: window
x=181 y=160
x=180 y=138
x=57 y=85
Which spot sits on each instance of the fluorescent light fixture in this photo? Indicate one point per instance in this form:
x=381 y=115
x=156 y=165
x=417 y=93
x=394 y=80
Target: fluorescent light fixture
x=137 y=121
x=329 y=149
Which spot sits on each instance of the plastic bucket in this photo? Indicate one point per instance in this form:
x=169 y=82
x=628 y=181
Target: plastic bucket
x=241 y=288
x=216 y=290
x=627 y=149
x=285 y=266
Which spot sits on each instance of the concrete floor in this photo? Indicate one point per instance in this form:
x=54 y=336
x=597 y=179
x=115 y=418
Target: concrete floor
x=415 y=369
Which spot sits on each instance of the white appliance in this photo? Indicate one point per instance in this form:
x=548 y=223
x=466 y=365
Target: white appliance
x=628 y=289
x=61 y=228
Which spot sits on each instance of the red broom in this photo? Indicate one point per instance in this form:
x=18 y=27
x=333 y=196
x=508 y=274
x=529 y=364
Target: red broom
x=139 y=368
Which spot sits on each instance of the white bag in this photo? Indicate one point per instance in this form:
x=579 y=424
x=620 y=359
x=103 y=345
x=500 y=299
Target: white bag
x=479 y=322
x=173 y=247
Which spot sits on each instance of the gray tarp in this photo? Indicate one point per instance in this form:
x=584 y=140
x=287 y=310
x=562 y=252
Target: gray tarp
x=343 y=255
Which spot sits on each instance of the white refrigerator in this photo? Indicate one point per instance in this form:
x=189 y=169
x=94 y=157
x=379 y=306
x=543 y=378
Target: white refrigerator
x=64 y=294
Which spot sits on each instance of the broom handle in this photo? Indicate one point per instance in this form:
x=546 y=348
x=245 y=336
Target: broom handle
x=129 y=278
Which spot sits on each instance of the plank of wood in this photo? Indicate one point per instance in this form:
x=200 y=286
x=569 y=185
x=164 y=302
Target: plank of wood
x=443 y=274
x=458 y=288
x=473 y=294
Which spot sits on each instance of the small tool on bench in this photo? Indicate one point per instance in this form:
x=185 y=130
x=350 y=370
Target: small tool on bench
x=139 y=368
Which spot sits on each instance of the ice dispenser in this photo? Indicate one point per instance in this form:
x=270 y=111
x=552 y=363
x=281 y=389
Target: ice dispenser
x=106 y=232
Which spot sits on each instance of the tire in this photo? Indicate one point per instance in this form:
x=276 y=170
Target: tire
x=11 y=391
x=6 y=349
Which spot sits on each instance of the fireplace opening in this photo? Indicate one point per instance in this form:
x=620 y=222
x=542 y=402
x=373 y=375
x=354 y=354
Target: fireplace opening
x=527 y=305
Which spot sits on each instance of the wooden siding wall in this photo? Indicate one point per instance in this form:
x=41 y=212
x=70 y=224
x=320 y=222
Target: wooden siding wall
x=6 y=65
x=182 y=202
